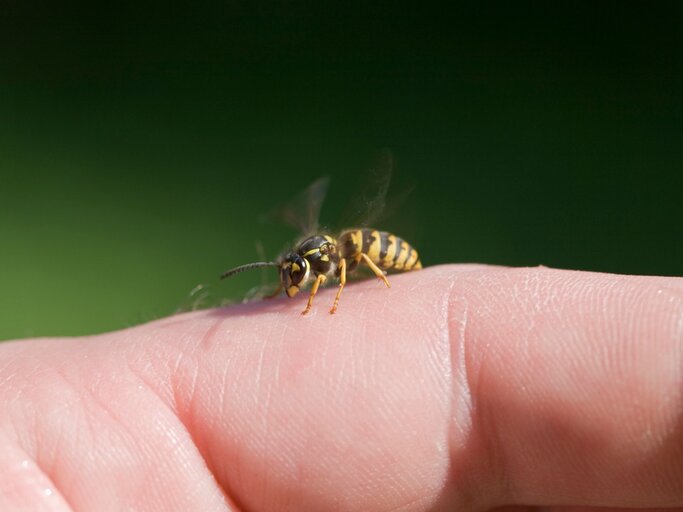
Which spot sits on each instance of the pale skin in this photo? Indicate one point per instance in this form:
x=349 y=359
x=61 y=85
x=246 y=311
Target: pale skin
x=459 y=388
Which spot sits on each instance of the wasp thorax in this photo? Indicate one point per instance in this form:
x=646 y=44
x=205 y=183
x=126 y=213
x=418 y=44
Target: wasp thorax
x=293 y=273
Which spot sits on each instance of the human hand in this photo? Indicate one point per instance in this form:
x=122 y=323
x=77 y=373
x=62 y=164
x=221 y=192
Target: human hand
x=460 y=388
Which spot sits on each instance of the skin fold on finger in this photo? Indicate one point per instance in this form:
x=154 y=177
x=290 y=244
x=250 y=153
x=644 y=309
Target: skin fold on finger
x=94 y=432
x=469 y=387
x=23 y=486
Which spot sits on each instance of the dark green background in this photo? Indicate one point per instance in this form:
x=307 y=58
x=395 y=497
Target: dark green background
x=140 y=143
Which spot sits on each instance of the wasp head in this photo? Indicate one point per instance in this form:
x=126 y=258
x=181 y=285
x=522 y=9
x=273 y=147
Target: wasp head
x=294 y=271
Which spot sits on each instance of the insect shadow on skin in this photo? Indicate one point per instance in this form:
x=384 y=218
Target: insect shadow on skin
x=320 y=256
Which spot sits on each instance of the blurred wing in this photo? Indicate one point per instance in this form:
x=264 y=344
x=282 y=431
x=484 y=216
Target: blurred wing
x=261 y=292
x=202 y=296
x=370 y=204
x=205 y=296
x=302 y=213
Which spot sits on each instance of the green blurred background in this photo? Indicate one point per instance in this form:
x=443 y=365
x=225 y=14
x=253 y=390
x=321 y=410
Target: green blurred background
x=140 y=143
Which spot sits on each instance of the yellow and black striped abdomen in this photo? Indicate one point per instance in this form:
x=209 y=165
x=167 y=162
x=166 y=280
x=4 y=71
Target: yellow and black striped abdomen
x=387 y=251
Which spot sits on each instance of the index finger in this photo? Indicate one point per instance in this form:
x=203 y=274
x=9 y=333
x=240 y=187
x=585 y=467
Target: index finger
x=459 y=386
x=475 y=385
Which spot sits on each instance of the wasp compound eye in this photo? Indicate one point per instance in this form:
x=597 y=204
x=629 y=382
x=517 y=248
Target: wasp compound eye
x=297 y=270
x=293 y=271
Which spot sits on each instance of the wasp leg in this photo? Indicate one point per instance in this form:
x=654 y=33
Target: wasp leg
x=319 y=280
x=275 y=293
x=342 y=282
x=378 y=271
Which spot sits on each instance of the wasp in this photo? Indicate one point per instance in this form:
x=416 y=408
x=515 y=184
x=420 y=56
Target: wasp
x=320 y=257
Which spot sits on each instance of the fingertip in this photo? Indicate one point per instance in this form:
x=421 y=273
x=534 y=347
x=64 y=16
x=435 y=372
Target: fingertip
x=574 y=379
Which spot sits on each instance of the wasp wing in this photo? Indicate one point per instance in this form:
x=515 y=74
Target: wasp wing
x=373 y=204
x=302 y=213
x=202 y=296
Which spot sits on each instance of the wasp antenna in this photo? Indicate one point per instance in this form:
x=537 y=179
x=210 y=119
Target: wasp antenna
x=248 y=266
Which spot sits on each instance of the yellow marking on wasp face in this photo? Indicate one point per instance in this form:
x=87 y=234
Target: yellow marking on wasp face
x=330 y=239
x=375 y=246
x=324 y=257
x=411 y=261
x=292 y=291
x=402 y=256
x=295 y=267
x=391 y=251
